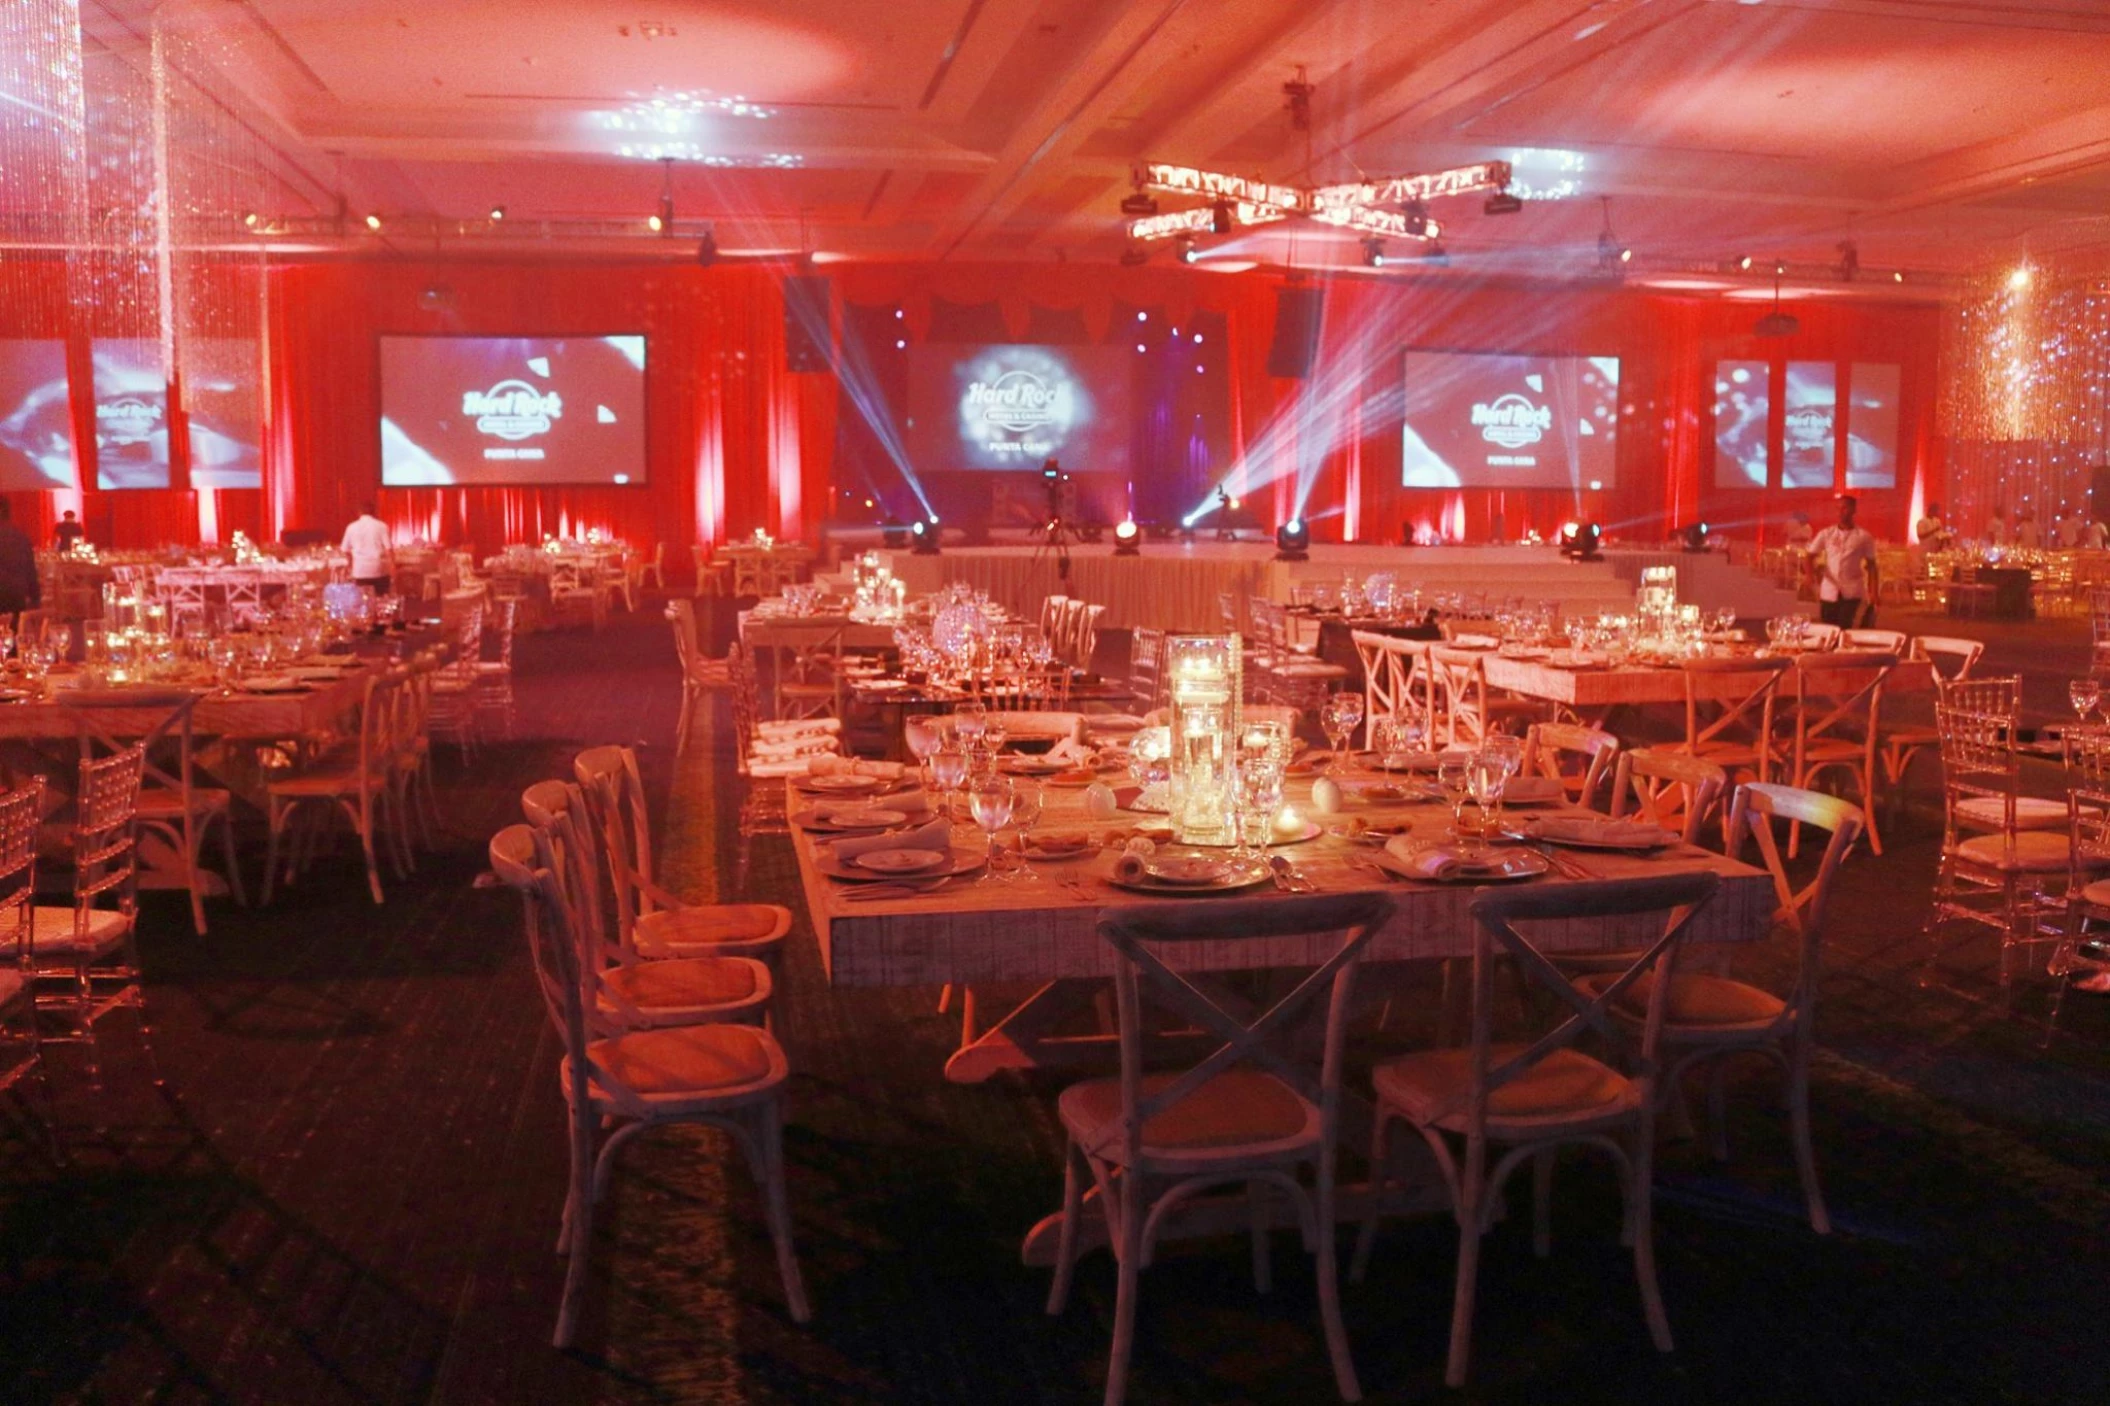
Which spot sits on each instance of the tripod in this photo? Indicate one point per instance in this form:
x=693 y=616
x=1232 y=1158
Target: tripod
x=1056 y=533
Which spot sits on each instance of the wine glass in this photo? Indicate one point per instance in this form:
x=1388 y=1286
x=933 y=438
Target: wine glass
x=1026 y=805
x=968 y=722
x=1486 y=776
x=1454 y=776
x=2085 y=695
x=994 y=731
x=1342 y=715
x=990 y=798
x=948 y=770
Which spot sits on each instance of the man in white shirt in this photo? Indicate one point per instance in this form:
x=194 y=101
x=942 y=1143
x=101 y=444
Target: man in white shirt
x=1929 y=530
x=1846 y=564
x=366 y=542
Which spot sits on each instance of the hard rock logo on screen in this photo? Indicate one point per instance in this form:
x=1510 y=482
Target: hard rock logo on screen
x=1017 y=401
x=127 y=419
x=1511 y=421
x=513 y=410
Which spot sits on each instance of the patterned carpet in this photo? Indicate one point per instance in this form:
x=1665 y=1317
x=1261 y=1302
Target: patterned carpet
x=349 y=1192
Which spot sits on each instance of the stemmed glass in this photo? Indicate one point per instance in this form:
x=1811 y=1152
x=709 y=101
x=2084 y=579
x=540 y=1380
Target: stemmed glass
x=990 y=798
x=1486 y=776
x=1342 y=715
x=1026 y=804
x=994 y=732
x=923 y=734
x=968 y=722
x=1453 y=775
x=948 y=769
x=2085 y=695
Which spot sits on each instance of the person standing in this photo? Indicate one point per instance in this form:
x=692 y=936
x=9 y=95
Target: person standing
x=2027 y=536
x=1846 y=557
x=366 y=543
x=1932 y=535
x=66 y=532
x=19 y=587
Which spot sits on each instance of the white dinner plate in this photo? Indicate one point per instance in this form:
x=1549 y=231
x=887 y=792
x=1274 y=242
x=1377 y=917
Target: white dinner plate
x=835 y=819
x=958 y=861
x=900 y=861
x=1233 y=880
x=842 y=785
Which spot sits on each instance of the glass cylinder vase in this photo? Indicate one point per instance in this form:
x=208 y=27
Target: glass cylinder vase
x=1204 y=678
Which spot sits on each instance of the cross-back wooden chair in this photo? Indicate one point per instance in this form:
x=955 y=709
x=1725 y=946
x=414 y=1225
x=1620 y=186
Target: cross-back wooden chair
x=1396 y=676
x=1581 y=758
x=1522 y=1102
x=701 y=675
x=713 y=573
x=1709 y=1018
x=356 y=781
x=1246 y=1114
x=1472 y=710
x=627 y=992
x=1836 y=712
x=652 y=922
x=1677 y=792
x=1880 y=641
x=806 y=676
x=1146 y=667
x=91 y=945
x=730 y=1077
x=1729 y=706
x=172 y=805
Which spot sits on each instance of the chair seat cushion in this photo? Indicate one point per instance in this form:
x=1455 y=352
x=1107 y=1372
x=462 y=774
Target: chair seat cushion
x=166 y=803
x=688 y=1060
x=1431 y=1086
x=707 y=929
x=1237 y=1108
x=52 y=935
x=2035 y=852
x=2031 y=813
x=691 y=983
x=1696 y=998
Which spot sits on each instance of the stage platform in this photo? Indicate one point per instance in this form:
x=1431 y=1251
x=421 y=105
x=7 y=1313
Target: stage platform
x=1175 y=585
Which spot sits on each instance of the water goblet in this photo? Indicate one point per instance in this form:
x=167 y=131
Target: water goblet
x=1259 y=799
x=990 y=798
x=1027 y=803
x=2085 y=695
x=1454 y=777
x=968 y=722
x=948 y=771
x=1486 y=776
x=1342 y=715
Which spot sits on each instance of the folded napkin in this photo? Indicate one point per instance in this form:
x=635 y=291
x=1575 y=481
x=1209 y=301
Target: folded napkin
x=1475 y=642
x=1601 y=831
x=935 y=836
x=1134 y=860
x=792 y=746
x=1528 y=789
x=912 y=802
x=798 y=727
x=777 y=766
x=1068 y=750
x=856 y=766
x=1112 y=722
x=1423 y=862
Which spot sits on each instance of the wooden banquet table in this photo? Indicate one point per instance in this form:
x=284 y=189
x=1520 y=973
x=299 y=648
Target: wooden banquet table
x=1597 y=691
x=1044 y=928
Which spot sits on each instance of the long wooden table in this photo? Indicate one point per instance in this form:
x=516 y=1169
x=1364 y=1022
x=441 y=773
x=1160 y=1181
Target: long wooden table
x=1600 y=690
x=1042 y=928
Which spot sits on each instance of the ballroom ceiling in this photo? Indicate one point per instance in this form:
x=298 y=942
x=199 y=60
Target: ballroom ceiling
x=1938 y=136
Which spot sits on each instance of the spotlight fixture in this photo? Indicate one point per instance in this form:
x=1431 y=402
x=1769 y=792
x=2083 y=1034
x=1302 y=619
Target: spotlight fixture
x=1776 y=323
x=498 y=212
x=1578 y=541
x=1502 y=203
x=1292 y=541
x=923 y=537
x=1221 y=220
x=655 y=223
x=1139 y=205
x=1374 y=252
x=1436 y=256
x=1128 y=538
x=1189 y=251
x=1695 y=537
x=1744 y=264
x=1134 y=256
x=249 y=219
x=1158 y=530
x=1898 y=276
x=373 y=222
x=1419 y=225
x=893 y=533
x=707 y=248
x=1611 y=254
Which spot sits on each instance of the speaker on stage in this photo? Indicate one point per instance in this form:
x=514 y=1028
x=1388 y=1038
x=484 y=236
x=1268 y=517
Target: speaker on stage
x=806 y=323
x=1296 y=344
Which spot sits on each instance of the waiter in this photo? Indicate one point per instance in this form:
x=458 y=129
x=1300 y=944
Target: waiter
x=366 y=543
x=19 y=587
x=1845 y=556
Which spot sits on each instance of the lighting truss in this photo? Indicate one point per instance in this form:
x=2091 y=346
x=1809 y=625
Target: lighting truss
x=1358 y=205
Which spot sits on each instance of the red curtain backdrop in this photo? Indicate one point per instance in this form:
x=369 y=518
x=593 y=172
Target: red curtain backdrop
x=737 y=442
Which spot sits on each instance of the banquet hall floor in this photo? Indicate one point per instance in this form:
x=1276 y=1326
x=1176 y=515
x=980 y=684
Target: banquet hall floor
x=348 y=1191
